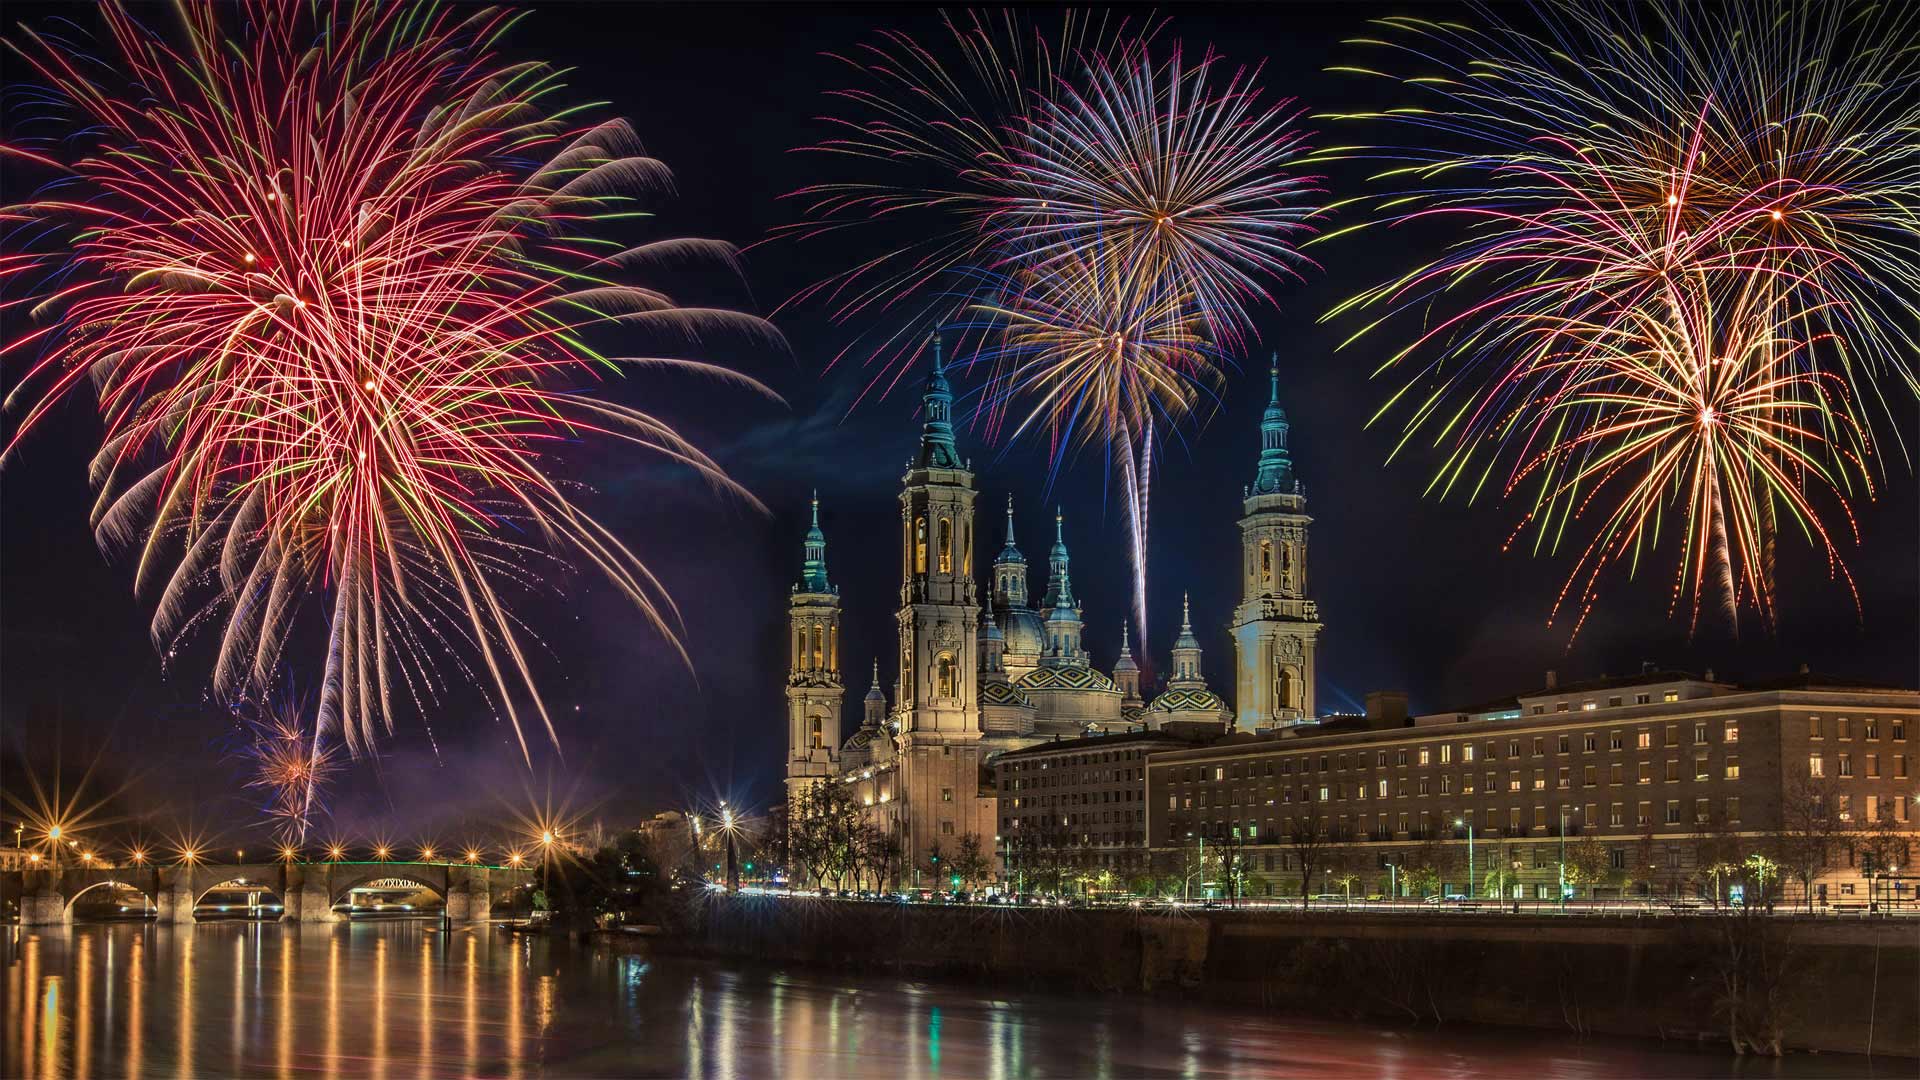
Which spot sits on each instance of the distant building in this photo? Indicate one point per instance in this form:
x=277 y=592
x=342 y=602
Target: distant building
x=1642 y=776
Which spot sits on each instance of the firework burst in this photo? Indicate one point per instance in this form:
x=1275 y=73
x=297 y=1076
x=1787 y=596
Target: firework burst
x=291 y=766
x=332 y=273
x=1737 y=188
x=1052 y=176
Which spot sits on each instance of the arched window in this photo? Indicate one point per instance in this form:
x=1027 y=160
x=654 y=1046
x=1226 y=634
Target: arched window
x=799 y=648
x=819 y=647
x=1286 y=686
x=1266 y=565
x=833 y=648
x=943 y=676
x=946 y=546
x=919 y=545
x=966 y=547
x=814 y=738
x=1286 y=567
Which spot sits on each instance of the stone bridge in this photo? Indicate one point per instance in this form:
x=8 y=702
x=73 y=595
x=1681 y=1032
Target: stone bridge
x=307 y=891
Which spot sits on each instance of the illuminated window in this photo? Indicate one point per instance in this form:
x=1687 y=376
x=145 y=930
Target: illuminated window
x=943 y=675
x=920 y=545
x=946 y=546
x=1733 y=731
x=1266 y=565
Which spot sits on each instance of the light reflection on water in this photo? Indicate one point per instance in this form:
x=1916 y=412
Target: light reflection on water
x=410 y=999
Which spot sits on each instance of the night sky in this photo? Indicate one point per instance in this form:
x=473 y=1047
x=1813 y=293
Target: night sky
x=1416 y=595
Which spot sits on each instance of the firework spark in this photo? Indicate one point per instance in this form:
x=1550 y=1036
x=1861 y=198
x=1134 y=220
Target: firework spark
x=332 y=273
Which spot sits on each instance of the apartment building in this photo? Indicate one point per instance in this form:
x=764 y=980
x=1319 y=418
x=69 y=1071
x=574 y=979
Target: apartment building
x=1650 y=766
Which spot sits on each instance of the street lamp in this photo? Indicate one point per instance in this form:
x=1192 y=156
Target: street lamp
x=733 y=862
x=546 y=860
x=1457 y=823
x=1563 y=855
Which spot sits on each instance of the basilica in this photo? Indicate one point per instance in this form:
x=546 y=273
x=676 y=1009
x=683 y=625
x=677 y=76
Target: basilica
x=983 y=668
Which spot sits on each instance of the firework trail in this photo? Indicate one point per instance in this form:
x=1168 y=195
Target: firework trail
x=1746 y=174
x=331 y=273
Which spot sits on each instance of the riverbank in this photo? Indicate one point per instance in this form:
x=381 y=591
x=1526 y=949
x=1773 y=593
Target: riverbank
x=1753 y=984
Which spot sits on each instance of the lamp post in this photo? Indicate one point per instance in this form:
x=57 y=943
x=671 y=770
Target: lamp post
x=1563 y=856
x=1393 y=882
x=733 y=861
x=546 y=861
x=1456 y=824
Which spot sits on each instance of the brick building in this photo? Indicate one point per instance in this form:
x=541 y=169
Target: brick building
x=1645 y=782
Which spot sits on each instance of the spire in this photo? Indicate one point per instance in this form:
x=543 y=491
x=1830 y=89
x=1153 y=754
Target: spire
x=1125 y=662
x=1275 y=473
x=1010 y=553
x=1059 y=583
x=1186 y=653
x=1126 y=673
x=813 y=573
x=874 y=693
x=937 y=450
x=1186 y=640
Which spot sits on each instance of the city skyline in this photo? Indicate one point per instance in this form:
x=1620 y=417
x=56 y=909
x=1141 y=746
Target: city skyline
x=1417 y=595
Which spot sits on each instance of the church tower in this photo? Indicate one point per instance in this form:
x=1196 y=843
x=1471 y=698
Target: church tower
x=937 y=697
x=1059 y=608
x=814 y=691
x=1276 y=628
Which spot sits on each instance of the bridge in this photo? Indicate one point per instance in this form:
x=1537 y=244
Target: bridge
x=308 y=891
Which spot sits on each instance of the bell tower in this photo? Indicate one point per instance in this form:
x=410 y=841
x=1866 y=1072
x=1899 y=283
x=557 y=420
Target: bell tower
x=1276 y=628
x=814 y=689
x=939 y=622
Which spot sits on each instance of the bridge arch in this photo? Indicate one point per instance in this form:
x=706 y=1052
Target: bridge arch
x=342 y=881
x=73 y=898
x=202 y=888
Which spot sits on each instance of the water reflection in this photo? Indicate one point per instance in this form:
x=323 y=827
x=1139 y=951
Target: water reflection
x=404 y=999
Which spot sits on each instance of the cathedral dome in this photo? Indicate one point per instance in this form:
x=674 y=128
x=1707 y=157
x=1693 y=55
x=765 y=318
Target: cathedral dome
x=1003 y=693
x=1025 y=631
x=1067 y=678
x=1188 y=701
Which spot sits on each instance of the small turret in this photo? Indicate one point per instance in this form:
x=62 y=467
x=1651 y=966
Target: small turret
x=1126 y=673
x=993 y=643
x=1274 y=475
x=1186 y=652
x=1060 y=609
x=1010 y=570
x=937 y=449
x=813 y=571
x=874 y=707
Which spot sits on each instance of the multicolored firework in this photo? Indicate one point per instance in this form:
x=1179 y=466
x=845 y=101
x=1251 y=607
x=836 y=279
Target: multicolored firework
x=1099 y=356
x=1734 y=188
x=1193 y=184
x=1087 y=172
x=331 y=274
x=290 y=764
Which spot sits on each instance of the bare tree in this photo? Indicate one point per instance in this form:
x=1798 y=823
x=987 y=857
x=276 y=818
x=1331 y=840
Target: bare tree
x=1810 y=829
x=1308 y=837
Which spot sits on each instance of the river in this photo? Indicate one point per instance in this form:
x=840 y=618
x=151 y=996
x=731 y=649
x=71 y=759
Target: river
x=411 y=999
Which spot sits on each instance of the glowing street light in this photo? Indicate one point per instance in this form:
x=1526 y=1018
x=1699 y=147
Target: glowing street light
x=139 y=856
x=336 y=852
x=426 y=853
x=473 y=856
x=382 y=852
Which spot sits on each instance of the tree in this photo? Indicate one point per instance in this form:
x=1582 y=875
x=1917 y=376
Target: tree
x=825 y=831
x=1307 y=836
x=1428 y=866
x=1588 y=863
x=936 y=864
x=1810 y=827
x=971 y=863
x=1503 y=872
